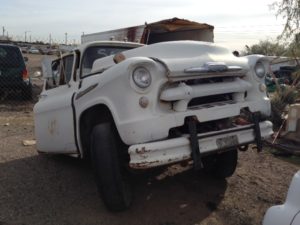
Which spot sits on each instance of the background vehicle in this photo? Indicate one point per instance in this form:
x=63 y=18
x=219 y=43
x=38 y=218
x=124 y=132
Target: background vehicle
x=24 y=49
x=33 y=50
x=289 y=212
x=130 y=107
x=13 y=73
x=173 y=29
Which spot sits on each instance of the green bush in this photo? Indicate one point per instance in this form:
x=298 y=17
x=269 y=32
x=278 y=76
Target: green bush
x=282 y=97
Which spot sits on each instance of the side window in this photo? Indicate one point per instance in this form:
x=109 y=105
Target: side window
x=77 y=63
x=90 y=55
x=55 y=72
x=66 y=69
x=10 y=57
x=52 y=82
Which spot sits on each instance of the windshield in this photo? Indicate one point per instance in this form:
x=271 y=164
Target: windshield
x=10 y=57
x=96 y=52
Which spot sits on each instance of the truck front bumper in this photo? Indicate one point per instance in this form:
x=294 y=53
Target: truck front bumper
x=153 y=154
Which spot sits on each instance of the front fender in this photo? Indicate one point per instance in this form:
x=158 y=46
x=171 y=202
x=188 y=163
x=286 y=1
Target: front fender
x=114 y=89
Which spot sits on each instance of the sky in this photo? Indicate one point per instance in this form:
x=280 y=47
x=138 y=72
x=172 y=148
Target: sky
x=237 y=23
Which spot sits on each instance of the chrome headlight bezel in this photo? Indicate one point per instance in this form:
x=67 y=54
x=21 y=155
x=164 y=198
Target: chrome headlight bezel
x=260 y=70
x=141 y=77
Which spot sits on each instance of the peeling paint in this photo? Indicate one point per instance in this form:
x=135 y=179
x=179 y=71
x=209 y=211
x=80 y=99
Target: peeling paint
x=144 y=164
x=150 y=164
x=142 y=150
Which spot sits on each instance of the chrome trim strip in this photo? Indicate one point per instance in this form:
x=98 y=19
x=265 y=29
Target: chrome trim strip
x=213 y=67
x=85 y=91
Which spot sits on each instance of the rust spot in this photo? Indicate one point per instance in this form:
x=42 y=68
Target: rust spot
x=119 y=58
x=142 y=150
x=131 y=33
x=143 y=154
x=144 y=164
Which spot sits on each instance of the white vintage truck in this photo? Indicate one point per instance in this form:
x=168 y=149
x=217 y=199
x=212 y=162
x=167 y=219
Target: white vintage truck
x=129 y=106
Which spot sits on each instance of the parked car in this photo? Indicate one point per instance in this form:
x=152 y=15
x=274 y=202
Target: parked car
x=24 y=49
x=49 y=51
x=132 y=107
x=289 y=212
x=33 y=50
x=53 y=52
x=13 y=73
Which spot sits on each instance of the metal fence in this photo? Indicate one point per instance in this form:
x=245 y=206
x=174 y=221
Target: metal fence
x=21 y=79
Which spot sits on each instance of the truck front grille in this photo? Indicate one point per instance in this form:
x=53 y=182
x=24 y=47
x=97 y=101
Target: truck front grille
x=206 y=92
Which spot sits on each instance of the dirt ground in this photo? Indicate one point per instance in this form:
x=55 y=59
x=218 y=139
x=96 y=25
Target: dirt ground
x=60 y=190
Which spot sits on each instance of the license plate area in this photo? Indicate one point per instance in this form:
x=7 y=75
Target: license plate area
x=228 y=141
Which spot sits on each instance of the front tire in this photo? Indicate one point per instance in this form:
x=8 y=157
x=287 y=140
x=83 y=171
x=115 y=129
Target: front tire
x=108 y=162
x=221 y=165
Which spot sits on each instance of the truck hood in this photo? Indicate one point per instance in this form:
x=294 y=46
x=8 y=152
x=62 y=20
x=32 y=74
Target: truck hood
x=178 y=56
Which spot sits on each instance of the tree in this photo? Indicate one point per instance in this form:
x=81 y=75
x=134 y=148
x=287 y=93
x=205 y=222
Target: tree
x=290 y=11
x=266 y=47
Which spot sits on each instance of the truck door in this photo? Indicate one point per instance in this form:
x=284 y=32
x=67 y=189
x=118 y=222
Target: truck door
x=54 y=119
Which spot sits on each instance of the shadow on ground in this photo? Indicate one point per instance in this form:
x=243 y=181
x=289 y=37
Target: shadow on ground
x=61 y=190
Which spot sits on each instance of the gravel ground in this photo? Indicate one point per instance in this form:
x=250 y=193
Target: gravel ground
x=39 y=189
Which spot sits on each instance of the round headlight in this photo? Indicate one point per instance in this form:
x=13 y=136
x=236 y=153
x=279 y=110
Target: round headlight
x=260 y=70
x=141 y=77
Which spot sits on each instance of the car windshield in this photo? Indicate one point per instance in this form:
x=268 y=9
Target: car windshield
x=96 y=52
x=10 y=57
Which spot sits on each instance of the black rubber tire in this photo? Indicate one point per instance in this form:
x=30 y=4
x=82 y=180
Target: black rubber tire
x=112 y=178
x=221 y=165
